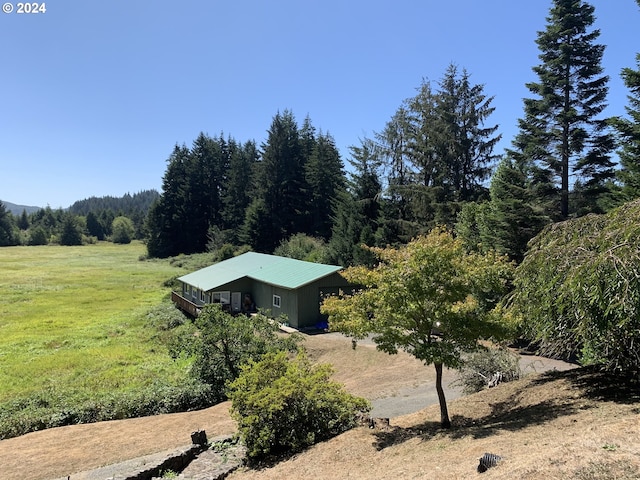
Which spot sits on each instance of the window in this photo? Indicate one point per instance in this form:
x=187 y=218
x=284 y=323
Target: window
x=276 y=301
x=202 y=297
x=221 y=297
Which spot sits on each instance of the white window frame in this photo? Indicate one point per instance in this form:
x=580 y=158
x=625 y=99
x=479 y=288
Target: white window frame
x=277 y=301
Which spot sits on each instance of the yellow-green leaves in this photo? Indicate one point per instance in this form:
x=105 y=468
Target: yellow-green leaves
x=429 y=298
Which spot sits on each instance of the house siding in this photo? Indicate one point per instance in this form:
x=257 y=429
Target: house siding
x=300 y=305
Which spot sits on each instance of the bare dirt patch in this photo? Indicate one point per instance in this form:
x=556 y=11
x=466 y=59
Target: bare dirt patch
x=541 y=424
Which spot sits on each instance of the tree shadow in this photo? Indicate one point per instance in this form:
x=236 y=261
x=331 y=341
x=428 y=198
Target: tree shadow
x=607 y=387
x=506 y=415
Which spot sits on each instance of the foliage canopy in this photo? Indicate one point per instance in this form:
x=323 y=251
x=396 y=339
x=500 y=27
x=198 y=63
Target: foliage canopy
x=578 y=289
x=284 y=405
x=429 y=298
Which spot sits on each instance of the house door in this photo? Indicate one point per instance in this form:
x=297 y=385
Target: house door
x=236 y=301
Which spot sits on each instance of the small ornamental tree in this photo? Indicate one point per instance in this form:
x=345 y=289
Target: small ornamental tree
x=578 y=289
x=429 y=298
x=285 y=406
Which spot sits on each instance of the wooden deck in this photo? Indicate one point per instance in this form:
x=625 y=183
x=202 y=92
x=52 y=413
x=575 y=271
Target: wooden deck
x=185 y=305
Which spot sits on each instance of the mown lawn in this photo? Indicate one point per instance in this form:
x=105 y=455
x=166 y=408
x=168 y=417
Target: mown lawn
x=72 y=320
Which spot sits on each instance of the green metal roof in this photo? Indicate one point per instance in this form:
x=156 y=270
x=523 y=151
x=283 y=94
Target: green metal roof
x=279 y=271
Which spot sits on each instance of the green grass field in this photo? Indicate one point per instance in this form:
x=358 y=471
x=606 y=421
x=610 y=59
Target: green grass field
x=73 y=321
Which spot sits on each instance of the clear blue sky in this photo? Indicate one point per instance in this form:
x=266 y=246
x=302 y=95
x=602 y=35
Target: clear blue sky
x=97 y=93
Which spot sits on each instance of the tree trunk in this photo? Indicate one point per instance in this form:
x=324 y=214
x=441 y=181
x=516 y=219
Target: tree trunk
x=444 y=413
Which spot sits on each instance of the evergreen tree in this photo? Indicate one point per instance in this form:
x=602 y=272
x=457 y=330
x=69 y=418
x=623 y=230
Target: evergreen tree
x=280 y=186
x=23 y=221
x=357 y=211
x=438 y=153
x=325 y=178
x=511 y=219
x=70 y=233
x=561 y=131
x=239 y=190
x=629 y=134
x=94 y=227
x=168 y=217
x=7 y=236
x=204 y=190
x=463 y=143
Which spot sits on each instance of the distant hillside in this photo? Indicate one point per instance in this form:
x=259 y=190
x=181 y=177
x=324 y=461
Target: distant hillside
x=127 y=204
x=18 y=209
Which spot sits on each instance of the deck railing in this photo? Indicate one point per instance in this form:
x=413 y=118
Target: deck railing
x=186 y=305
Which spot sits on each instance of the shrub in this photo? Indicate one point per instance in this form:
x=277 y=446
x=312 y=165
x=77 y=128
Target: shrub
x=486 y=368
x=286 y=406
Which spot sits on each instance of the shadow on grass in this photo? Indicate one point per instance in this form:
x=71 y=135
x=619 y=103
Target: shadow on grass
x=592 y=383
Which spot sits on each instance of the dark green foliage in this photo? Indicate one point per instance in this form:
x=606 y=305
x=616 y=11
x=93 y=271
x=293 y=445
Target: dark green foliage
x=281 y=204
x=48 y=409
x=357 y=214
x=239 y=189
x=7 y=235
x=325 y=178
x=38 y=236
x=284 y=406
x=561 y=133
x=629 y=136
x=70 y=233
x=578 y=289
x=225 y=342
x=94 y=227
x=487 y=368
x=127 y=205
x=23 y=221
x=438 y=152
x=168 y=216
x=508 y=220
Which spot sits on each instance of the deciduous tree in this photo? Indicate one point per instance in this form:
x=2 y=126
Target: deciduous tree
x=428 y=298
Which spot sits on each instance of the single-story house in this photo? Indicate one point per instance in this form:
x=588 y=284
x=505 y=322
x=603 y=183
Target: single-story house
x=253 y=281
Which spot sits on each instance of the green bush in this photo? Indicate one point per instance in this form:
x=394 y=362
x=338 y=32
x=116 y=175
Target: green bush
x=577 y=292
x=50 y=408
x=285 y=406
x=486 y=368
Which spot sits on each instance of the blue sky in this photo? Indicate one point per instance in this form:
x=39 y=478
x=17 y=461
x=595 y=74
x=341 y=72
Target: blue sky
x=97 y=93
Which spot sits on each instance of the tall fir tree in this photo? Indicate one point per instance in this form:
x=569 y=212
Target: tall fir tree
x=438 y=151
x=511 y=218
x=239 y=190
x=7 y=237
x=168 y=217
x=628 y=130
x=280 y=188
x=325 y=179
x=356 y=218
x=561 y=131
x=206 y=182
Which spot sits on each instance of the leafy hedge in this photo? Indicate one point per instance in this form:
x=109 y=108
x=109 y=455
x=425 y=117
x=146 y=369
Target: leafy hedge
x=578 y=289
x=50 y=409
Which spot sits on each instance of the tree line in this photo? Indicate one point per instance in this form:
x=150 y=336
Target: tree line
x=120 y=219
x=433 y=163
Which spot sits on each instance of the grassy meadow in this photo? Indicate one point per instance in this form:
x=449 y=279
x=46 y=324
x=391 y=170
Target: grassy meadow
x=73 y=321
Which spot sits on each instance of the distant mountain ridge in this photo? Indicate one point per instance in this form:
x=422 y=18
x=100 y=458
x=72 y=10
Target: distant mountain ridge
x=18 y=209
